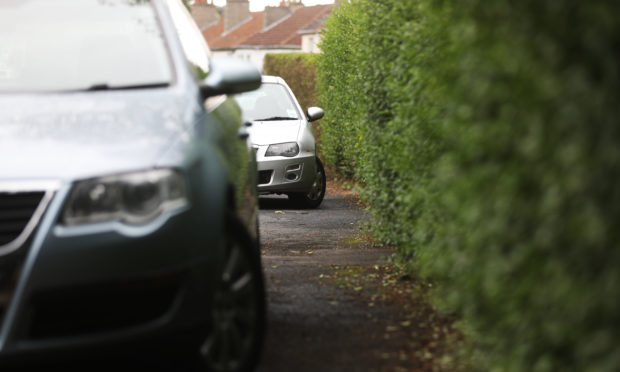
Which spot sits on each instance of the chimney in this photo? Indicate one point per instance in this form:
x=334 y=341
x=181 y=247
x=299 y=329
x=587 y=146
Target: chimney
x=273 y=14
x=204 y=13
x=236 y=13
x=295 y=4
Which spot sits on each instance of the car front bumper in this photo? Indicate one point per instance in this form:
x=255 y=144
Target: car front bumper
x=100 y=285
x=281 y=175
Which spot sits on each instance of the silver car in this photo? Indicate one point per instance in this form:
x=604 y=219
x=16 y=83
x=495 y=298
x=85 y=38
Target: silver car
x=128 y=201
x=284 y=143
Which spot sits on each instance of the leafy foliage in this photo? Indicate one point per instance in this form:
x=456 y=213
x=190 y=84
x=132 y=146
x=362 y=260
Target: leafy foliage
x=298 y=70
x=382 y=110
x=339 y=88
x=487 y=138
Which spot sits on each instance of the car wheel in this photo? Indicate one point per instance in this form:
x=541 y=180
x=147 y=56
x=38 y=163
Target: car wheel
x=314 y=197
x=238 y=311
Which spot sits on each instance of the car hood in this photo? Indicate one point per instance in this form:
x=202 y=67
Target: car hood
x=69 y=136
x=268 y=132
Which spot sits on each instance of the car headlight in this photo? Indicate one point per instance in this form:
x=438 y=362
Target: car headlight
x=288 y=149
x=132 y=198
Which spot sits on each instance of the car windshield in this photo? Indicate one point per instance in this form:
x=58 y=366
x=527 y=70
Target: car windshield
x=270 y=102
x=58 y=45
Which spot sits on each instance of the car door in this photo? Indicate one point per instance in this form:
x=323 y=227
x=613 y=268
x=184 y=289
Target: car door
x=223 y=123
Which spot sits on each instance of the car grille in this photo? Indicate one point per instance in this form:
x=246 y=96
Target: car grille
x=264 y=177
x=9 y=269
x=16 y=209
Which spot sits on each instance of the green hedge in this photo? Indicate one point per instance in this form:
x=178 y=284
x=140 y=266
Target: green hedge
x=381 y=108
x=487 y=137
x=299 y=72
x=339 y=90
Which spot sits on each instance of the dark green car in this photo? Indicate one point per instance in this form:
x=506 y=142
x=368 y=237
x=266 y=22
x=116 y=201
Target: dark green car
x=128 y=203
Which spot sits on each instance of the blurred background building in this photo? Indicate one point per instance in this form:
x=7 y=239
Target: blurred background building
x=235 y=31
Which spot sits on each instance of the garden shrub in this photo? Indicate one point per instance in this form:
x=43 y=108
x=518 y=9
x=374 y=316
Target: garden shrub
x=529 y=187
x=376 y=81
x=298 y=70
x=340 y=94
x=486 y=138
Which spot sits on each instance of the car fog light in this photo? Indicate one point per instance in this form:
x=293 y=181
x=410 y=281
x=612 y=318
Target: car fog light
x=132 y=198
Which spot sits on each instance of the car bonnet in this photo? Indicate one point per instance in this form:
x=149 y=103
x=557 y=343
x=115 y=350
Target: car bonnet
x=69 y=136
x=268 y=132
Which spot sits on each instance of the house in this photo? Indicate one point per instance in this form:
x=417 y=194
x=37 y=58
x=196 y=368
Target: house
x=290 y=27
x=311 y=36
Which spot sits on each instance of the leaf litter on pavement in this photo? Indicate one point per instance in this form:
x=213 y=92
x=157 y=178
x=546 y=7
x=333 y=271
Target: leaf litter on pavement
x=430 y=336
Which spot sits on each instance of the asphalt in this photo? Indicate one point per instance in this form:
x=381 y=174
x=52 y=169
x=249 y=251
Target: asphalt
x=315 y=324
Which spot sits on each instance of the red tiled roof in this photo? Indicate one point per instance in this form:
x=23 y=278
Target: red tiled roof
x=313 y=27
x=285 y=33
x=215 y=31
x=217 y=39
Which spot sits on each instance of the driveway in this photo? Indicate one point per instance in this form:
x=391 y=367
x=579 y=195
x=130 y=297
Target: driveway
x=334 y=303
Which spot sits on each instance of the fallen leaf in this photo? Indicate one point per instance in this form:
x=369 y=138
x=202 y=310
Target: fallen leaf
x=279 y=212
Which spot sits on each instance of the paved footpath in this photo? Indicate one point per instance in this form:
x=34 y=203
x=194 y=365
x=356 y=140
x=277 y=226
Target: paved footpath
x=321 y=315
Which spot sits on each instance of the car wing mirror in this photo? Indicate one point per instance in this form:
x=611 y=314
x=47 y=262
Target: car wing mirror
x=314 y=113
x=230 y=76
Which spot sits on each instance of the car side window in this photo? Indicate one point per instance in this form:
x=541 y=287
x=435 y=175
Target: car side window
x=194 y=45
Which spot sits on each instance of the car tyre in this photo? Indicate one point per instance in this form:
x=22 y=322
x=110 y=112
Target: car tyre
x=314 y=197
x=238 y=311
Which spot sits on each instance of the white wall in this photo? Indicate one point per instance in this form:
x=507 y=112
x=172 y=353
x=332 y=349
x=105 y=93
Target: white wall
x=310 y=43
